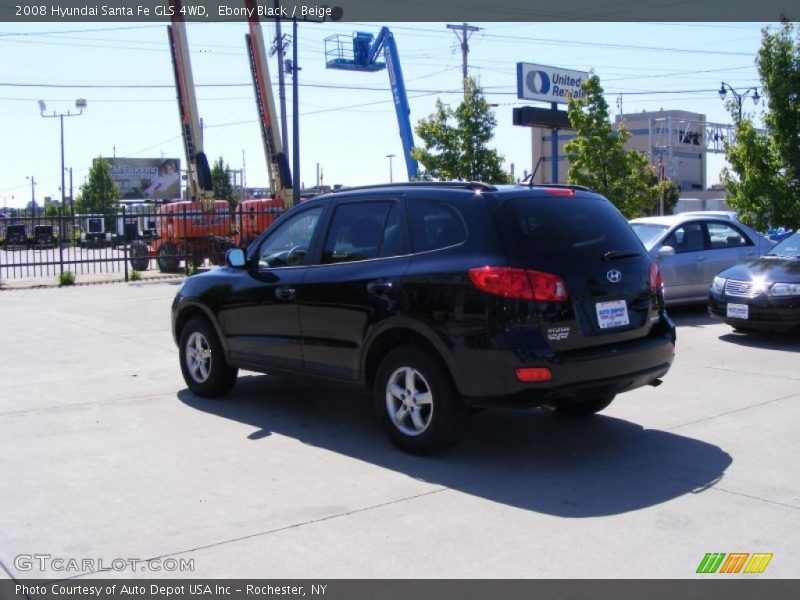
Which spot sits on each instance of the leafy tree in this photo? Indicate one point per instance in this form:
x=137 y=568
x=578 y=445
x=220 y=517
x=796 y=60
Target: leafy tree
x=51 y=210
x=221 y=180
x=100 y=194
x=763 y=182
x=598 y=158
x=456 y=141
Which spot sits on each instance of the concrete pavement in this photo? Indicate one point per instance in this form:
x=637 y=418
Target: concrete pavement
x=105 y=455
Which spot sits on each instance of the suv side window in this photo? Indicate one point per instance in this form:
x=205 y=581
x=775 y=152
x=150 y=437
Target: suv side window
x=434 y=225
x=725 y=236
x=288 y=245
x=687 y=238
x=363 y=230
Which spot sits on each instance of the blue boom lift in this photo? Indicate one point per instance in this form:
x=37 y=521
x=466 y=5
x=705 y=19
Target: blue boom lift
x=363 y=56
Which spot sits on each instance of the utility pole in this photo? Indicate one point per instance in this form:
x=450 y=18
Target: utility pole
x=280 y=47
x=33 y=193
x=465 y=32
x=295 y=118
x=244 y=169
x=71 y=199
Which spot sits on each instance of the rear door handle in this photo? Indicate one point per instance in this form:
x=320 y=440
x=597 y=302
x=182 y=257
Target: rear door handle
x=379 y=287
x=285 y=293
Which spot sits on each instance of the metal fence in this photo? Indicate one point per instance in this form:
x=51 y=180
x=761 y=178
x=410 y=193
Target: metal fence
x=170 y=238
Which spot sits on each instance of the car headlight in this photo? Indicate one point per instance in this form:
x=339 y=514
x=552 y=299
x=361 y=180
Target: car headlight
x=785 y=289
x=718 y=285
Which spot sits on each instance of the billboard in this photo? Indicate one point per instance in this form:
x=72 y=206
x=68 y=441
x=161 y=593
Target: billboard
x=147 y=178
x=548 y=84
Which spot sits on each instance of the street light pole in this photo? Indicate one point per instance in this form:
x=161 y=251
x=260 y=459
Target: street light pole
x=737 y=97
x=390 y=157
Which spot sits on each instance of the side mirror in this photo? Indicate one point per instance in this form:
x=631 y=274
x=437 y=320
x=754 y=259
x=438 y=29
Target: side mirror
x=235 y=258
x=666 y=251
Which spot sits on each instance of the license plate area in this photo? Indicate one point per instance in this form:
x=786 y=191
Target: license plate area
x=612 y=314
x=738 y=311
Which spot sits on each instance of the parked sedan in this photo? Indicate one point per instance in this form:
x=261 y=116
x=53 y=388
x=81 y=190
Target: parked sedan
x=762 y=293
x=692 y=249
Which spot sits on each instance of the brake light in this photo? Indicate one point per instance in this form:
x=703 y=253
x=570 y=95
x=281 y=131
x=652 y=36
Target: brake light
x=655 y=277
x=519 y=283
x=534 y=374
x=554 y=191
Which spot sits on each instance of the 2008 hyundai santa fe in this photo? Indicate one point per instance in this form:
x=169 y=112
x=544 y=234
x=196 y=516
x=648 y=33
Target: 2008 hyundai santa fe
x=436 y=297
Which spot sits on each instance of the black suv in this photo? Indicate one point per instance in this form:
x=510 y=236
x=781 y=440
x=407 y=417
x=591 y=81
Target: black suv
x=436 y=297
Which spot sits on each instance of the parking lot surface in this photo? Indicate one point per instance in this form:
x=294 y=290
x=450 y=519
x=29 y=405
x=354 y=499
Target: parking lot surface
x=105 y=455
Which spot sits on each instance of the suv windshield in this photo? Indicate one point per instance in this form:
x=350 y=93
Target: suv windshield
x=574 y=230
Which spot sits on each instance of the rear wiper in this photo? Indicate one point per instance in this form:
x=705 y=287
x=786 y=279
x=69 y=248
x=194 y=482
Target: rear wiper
x=614 y=254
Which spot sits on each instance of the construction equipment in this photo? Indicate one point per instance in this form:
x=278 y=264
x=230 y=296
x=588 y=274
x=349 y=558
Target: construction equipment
x=363 y=56
x=199 y=228
x=280 y=178
x=255 y=215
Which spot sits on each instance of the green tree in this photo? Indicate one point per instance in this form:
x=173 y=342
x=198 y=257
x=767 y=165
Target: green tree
x=598 y=158
x=456 y=141
x=763 y=181
x=51 y=210
x=221 y=180
x=100 y=194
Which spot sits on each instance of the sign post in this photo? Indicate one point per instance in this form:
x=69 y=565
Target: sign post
x=547 y=84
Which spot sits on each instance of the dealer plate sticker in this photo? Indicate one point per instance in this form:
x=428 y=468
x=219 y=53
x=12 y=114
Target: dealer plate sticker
x=738 y=311
x=612 y=314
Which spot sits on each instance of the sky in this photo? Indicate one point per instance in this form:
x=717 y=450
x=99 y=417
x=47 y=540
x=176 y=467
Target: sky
x=347 y=120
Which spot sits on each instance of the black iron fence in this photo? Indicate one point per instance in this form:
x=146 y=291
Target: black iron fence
x=170 y=238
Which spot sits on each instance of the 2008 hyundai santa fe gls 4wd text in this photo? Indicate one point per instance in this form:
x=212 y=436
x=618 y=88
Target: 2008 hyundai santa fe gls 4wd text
x=436 y=297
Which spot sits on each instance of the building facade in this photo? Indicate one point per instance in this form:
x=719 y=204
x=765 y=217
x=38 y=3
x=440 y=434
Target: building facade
x=672 y=140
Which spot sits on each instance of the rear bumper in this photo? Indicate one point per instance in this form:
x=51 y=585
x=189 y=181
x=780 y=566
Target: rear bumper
x=612 y=368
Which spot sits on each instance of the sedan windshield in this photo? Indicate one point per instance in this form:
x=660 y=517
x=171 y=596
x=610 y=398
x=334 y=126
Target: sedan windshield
x=790 y=247
x=648 y=232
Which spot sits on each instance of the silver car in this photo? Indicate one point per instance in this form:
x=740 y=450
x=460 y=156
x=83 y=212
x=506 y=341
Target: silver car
x=692 y=248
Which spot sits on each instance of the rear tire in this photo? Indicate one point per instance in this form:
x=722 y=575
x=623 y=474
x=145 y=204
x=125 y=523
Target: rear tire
x=416 y=402
x=202 y=359
x=586 y=408
x=167 y=257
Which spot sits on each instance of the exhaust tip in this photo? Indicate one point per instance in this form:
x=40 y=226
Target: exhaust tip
x=656 y=382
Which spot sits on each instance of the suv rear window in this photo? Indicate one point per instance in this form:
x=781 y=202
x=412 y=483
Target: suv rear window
x=576 y=230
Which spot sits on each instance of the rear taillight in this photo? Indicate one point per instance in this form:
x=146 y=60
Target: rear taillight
x=655 y=277
x=519 y=283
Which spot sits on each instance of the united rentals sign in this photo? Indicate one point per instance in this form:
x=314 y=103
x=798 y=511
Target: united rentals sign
x=548 y=84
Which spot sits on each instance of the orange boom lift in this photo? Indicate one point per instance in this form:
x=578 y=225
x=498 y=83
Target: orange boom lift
x=200 y=228
x=254 y=216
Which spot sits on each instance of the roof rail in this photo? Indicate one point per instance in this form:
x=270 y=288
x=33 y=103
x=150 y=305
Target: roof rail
x=566 y=186
x=467 y=185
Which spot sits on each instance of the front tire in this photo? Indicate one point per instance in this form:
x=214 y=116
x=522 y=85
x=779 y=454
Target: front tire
x=202 y=359
x=416 y=402
x=586 y=408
